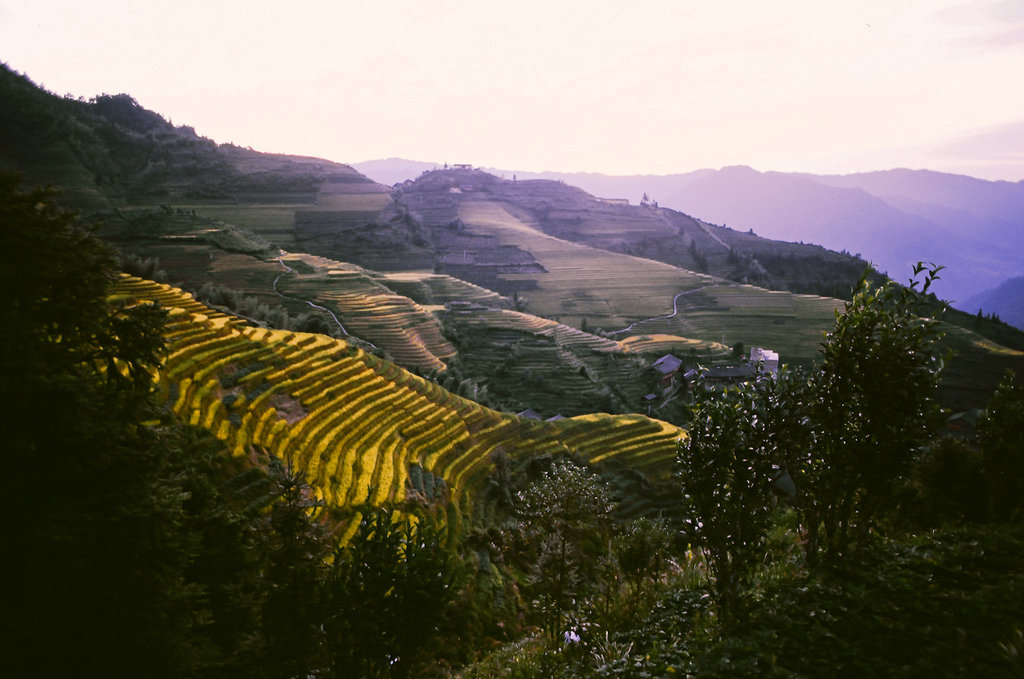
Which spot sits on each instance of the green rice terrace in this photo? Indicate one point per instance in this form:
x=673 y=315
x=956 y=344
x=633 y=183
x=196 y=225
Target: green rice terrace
x=369 y=310
x=403 y=313
x=625 y=294
x=583 y=302
x=363 y=429
x=554 y=369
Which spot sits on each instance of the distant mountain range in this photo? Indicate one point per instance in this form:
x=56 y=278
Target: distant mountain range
x=975 y=228
x=218 y=217
x=1006 y=301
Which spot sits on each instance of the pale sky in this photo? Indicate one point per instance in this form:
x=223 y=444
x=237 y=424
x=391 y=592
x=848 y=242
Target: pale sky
x=639 y=87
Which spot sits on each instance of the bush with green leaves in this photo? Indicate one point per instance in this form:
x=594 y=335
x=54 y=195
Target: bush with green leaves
x=390 y=591
x=873 y=408
x=563 y=524
x=641 y=551
x=728 y=471
x=946 y=604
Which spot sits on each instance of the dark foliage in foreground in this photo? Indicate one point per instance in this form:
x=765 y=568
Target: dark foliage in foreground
x=946 y=604
x=134 y=546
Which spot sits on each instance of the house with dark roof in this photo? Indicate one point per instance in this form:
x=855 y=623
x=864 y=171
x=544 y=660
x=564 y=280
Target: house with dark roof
x=666 y=368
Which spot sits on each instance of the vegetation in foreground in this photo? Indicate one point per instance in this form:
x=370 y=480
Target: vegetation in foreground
x=865 y=544
x=830 y=532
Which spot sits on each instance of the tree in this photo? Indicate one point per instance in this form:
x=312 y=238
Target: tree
x=562 y=518
x=126 y=550
x=390 y=590
x=873 y=408
x=1001 y=435
x=294 y=550
x=728 y=467
x=93 y=532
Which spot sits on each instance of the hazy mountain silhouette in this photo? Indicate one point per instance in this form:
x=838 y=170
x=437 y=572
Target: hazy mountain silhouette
x=1005 y=301
x=892 y=218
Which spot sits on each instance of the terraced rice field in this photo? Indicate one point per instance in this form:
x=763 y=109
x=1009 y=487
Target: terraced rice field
x=437 y=289
x=682 y=346
x=353 y=202
x=370 y=311
x=551 y=368
x=608 y=289
x=358 y=427
x=518 y=322
x=276 y=223
x=793 y=325
x=612 y=291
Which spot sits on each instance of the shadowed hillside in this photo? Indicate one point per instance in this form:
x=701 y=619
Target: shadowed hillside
x=362 y=430
x=223 y=216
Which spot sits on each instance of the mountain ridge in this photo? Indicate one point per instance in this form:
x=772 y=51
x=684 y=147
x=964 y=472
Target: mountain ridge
x=971 y=226
x=1005 y=301
x=160 y=191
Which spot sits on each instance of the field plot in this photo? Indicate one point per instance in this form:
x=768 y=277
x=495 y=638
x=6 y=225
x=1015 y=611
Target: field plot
x=356 y=425
x=276 y=223
x=793 y=325
x=977 y=367
x=245 y=274
x=370 y=311
x=551 y=368
x=613 y=291
x=353 y=202
x=607 y=289
x=437 y=289
x=345 y=202
x=682 y=346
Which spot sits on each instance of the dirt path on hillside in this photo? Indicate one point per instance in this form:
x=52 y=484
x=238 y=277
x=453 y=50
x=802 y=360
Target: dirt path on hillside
x=712 y=236
x=288 y=269
x=675 y=310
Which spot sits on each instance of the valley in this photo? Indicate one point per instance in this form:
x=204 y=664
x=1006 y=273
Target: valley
x=488 y=413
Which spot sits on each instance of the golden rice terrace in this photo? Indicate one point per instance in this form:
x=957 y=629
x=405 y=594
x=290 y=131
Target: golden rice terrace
x=360 y=428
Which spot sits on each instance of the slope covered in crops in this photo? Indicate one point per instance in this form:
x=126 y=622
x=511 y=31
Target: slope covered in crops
x=360 y=428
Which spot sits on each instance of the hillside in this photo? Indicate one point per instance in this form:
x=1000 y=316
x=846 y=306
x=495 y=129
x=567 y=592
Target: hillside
x=646 y=231
x=361 y=429
x=885 y=218
x=1005 y=301
x=111 y=151
x=891 y=218
x=313 y=245
x=531 y=239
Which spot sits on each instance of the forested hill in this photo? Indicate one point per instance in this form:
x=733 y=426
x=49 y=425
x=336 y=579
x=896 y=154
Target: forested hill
x=110 y=151
x=162 y=191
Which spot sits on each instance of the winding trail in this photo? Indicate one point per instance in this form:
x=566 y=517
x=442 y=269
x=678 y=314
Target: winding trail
x=675 y=309
x=288 y=269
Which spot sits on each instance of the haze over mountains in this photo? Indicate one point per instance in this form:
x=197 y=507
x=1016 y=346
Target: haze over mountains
x=975 y=228
x=111 y=152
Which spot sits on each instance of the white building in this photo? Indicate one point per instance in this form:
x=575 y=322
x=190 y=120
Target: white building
x=770 y=358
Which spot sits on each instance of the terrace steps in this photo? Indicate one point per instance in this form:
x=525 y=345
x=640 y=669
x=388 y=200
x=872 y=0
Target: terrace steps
x=354 y=423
